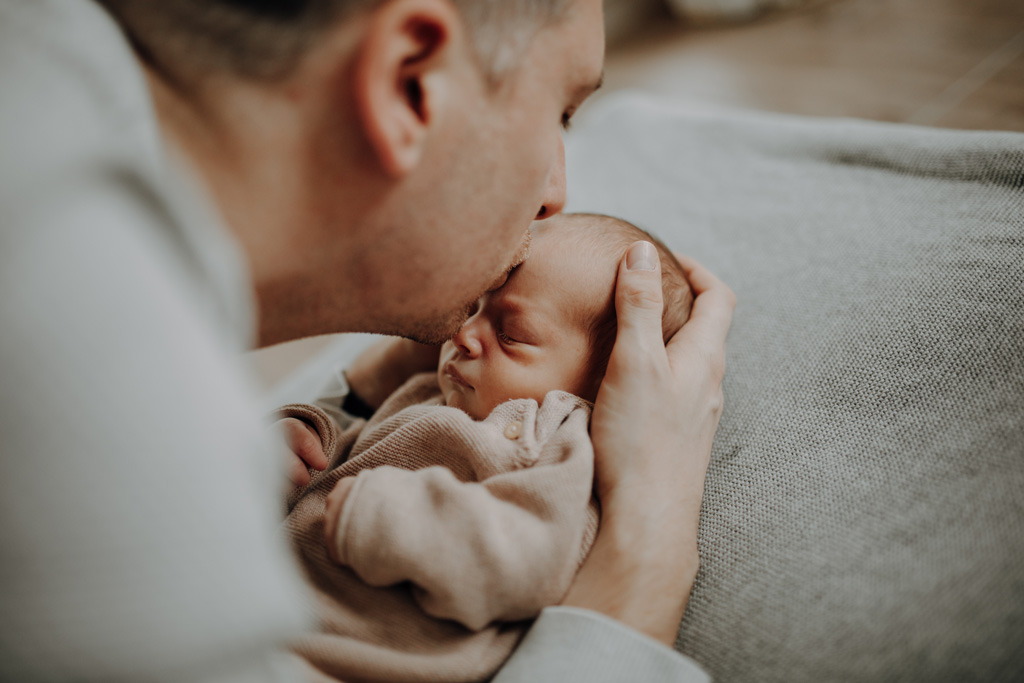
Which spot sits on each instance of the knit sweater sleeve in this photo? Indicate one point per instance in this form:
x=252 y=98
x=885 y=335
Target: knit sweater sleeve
x=501 y=548
x=571 y=645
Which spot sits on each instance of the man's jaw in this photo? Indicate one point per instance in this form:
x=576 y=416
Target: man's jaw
x=447 y=327
x=517 y=260
x=439 y=329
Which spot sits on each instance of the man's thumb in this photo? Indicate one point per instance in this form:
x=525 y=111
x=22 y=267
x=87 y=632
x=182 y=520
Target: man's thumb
x=638 y=299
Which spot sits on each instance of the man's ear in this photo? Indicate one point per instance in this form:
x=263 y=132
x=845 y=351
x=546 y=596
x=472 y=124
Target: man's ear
x=406 y=46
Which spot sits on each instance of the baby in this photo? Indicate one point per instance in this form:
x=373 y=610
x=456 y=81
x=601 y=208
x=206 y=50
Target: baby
x=464 y=505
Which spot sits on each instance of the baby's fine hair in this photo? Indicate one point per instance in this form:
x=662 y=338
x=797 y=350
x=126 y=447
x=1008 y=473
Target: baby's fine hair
x=616 y=236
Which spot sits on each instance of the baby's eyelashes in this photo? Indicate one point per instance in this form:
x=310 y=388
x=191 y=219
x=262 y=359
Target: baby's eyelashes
x=504 y=338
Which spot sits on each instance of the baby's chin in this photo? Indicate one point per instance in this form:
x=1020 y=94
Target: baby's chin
x=453 y=398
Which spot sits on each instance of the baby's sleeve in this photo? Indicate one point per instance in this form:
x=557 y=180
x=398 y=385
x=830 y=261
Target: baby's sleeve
x=327 y=426
x=335 y=438
x=476 y=552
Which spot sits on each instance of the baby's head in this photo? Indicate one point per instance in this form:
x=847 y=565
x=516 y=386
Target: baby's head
x=552 y=325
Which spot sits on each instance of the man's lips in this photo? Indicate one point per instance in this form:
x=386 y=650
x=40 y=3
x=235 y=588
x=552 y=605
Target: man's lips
x=455 y=376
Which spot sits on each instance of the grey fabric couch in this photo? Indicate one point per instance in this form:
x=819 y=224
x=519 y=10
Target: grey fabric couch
x=864 y=511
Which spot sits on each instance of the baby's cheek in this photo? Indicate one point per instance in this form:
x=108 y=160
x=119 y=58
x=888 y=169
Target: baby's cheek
x=476 y=409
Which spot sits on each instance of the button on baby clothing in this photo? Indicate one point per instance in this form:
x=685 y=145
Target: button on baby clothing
x=513 y=430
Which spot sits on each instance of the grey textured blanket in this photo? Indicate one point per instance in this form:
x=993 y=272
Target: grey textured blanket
x=864 y=514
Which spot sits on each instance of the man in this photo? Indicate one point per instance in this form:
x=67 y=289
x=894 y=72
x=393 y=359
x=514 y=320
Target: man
x=368 y=166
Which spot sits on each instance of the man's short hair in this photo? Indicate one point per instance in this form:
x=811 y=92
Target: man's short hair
x=266 y=39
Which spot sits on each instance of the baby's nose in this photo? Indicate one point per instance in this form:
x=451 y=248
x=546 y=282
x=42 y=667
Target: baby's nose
x=467 y=340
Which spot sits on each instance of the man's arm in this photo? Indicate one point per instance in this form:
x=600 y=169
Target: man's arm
x=572 y=645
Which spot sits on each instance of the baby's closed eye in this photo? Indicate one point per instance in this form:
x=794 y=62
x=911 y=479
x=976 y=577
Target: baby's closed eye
x=505 y=337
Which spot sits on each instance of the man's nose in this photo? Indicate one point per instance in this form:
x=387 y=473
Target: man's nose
x=467 y=339
x=554 y=195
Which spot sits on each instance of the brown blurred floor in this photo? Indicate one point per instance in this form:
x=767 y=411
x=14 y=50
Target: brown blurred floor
x=950 y=63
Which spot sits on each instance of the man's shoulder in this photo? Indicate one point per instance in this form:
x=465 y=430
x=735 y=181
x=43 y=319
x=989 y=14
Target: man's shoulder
x=71 y=95
x=82 y=152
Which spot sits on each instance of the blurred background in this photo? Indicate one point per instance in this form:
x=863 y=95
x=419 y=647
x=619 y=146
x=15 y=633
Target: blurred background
x=946 y=63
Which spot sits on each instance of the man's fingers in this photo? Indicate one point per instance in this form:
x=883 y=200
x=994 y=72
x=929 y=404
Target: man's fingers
x=711 y=316
x=705 y=332
x=700 y=278
x=638 y=298
x=713 y=306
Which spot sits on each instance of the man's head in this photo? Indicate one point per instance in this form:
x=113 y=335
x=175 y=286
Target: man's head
x=380 y=160
x=267 y=39
x=552 y=325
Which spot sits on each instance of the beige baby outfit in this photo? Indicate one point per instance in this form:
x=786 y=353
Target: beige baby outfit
x=456 y=533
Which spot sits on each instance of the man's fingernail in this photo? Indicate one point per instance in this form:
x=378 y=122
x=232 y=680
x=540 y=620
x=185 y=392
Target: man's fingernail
x=642 y=256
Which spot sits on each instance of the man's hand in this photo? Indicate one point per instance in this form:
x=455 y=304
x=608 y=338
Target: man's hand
x=653 y=425
x=385 y=366
x=306 y=449
x=332 y=514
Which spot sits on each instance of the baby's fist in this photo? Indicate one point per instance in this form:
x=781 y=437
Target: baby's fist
x=306 y=449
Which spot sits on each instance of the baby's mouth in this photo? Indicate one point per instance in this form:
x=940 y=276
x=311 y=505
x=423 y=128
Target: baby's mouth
x=455 y=376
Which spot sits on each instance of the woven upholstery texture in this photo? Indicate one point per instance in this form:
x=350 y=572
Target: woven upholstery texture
x=864 y=511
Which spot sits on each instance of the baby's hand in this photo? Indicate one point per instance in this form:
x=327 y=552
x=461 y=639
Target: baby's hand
x=332 y=514
x=306 y=449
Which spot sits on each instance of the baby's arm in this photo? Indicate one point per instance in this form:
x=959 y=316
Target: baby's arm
x=321 y=435
x=500 y=549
